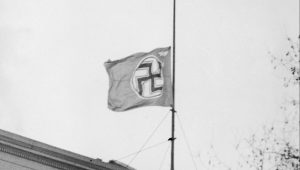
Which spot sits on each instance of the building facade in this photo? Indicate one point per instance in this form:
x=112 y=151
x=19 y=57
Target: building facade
x=20 y=153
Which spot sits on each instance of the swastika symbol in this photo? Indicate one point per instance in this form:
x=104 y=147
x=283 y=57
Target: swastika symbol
x=147 y=80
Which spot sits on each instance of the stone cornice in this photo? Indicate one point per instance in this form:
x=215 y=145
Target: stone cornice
x=48 y=155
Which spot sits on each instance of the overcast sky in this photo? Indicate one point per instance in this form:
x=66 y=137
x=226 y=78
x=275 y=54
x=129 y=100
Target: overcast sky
x=53 y=85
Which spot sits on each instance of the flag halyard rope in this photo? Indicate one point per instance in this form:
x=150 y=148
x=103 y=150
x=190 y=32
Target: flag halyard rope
x=148 y=139
x=186 y=142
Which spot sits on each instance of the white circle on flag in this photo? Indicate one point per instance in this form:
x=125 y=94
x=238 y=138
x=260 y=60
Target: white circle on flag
x=147 y=80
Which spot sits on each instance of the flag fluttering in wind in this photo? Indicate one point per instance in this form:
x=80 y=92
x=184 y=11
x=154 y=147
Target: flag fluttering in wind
x=141 y=79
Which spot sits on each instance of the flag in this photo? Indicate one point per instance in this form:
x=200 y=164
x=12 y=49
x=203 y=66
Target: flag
x=141 y=79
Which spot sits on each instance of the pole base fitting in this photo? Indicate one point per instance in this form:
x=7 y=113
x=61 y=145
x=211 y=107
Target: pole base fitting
x=173 y=110
x=171 y=139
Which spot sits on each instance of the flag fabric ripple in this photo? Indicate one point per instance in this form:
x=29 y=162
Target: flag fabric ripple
x=141 y=79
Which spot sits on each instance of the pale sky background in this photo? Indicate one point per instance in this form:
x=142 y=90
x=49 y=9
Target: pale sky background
x=53 y=85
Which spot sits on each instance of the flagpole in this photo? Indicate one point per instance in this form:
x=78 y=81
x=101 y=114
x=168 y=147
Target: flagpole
x=173 y=90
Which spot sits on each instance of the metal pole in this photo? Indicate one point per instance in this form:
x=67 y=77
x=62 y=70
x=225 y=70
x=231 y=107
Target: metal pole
x=173 y=90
